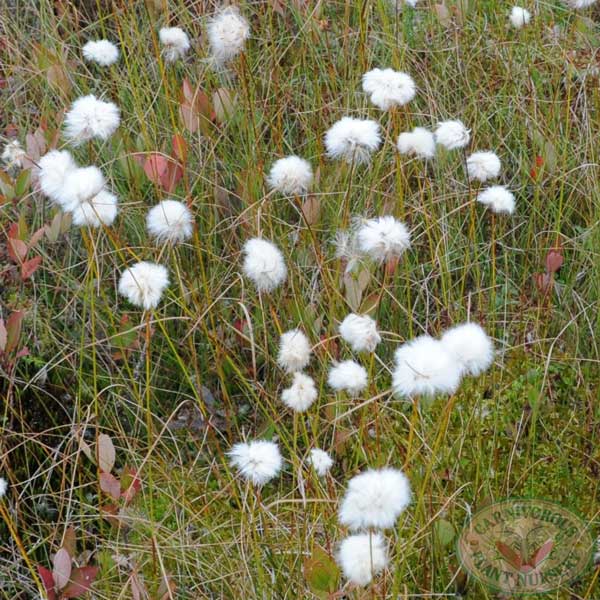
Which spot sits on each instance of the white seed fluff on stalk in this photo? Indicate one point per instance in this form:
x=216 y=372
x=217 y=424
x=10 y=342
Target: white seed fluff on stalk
x=3 y=487
x=264 y=264
x=228 y=31
x=257 y=461
x=13 y=154
x=452 y=134
x=175 y=43
x=348 y=376
x=101 y=52
x=301 y=394
x=346 y=249
x=320 y=461
x=375 y=499
x=470 y=346
x=294 y=351
x=425 y=368
x=291 y=176
x=360 y=331
x=580 y=3
x=169 y=221
x=483 y=166
x=97 y=211
x=143 y=284
x=383 y=238
x=80 y=185
x=519 y=17
x=498 y=199
x=419 y=142
x=353 y=140
x=53 y=170
x=388 y=88
x=362 y=556
x=90 y=118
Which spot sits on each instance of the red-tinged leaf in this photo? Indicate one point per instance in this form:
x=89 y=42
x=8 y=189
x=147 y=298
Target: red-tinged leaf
x=187 y=91
x=155 y=167
x=171 y=177
x=13 y=330
x=509 y=555
x=3 y=335
x=140 y=158
x=130 y=484
x=179 y=147
x=13 y=231
x=22 y=352
x=61 y=568
x=166 y=589
x=541 y=553
x=48 y=581
x=138 y=590
x=543 y=282
x=311 y=209
x=110 y=485
x=224 y=104
x=203 y=104
x=17 y=250
x=105 y=452
x=81 y=582
x=29 y=267
x=70 y=541
x=189 y=116
x=110 y=512
x=554 y=260
x=36 y=237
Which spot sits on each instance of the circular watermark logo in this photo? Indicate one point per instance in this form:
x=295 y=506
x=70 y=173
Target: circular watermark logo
x=525 y=546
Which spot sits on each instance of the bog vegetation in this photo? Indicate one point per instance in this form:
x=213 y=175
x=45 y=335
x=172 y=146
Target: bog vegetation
x=290 y=290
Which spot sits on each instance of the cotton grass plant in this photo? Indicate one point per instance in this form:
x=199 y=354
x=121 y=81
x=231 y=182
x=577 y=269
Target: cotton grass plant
x=189 y=303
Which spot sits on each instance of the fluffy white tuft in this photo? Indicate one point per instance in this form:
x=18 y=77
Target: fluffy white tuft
x=353 y=140
x=143 y=284
x=360 y=331
x=424 y=367
x=419 y=142
x=483 y=166
x=102 y=52
x=383 y=238
x=348 y=376
x=175 y=43
x=291 y=176
x=301 y=394
x=362 y=556
x=81 y=184
x=264 y=264
x=452 y=134
x=3 y=487
x=375 y=499
x=320 y=461
x=498 y=199
x=54 y=168
x=470 y=346
x=169 y=221
x=13 y=154
x=519 y=17
x=388 y=88
x=257 y=461
x=228 y=31
x=294 y=351
x=91 y=118
x=99 y=210
x=580 y=3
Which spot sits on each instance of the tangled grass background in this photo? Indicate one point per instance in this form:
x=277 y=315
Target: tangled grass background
x=92 y=385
